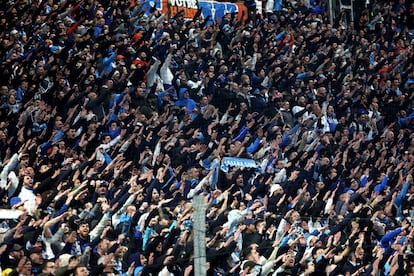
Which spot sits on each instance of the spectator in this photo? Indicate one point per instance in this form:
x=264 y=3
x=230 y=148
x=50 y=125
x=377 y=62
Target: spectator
x=296 y=130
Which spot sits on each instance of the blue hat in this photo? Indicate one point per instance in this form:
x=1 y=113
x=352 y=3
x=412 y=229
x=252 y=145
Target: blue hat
x=362 y=111
x=249 y=221
x=15 y=200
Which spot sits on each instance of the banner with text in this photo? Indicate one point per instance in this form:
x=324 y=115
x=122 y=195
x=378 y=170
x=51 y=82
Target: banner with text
x=214 y=9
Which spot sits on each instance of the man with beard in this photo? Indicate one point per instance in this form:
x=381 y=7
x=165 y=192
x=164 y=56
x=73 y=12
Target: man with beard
x=11 y=256
x=36 y=258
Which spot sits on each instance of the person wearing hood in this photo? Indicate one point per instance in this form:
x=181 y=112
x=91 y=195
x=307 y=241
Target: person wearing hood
x=185 y=101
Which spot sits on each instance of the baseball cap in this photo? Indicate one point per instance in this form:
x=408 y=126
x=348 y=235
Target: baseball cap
x=35 y=249
x=15 y=200
x=249 y=221
x=16 y=247
x=274 y=188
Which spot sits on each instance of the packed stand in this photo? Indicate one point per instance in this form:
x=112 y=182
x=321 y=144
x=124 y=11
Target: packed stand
x=113 y=117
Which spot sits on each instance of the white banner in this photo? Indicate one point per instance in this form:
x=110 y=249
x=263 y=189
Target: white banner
x=237 y=162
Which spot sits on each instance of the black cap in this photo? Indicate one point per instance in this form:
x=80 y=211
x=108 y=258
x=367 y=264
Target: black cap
x=35 y=249
x=16 y=247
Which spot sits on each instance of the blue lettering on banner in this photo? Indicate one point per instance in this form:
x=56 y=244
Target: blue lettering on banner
x=191 y=4
x=237 y=162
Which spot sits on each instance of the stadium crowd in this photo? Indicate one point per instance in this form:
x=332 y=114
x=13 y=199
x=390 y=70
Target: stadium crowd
x=113 y=117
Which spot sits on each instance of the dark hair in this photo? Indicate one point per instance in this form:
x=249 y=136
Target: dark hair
x=77 y=267
x=44 y=265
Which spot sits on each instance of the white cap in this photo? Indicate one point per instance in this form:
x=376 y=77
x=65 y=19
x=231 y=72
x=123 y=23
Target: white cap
x=90 y=116
x=274 y=188
x=64 y=259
